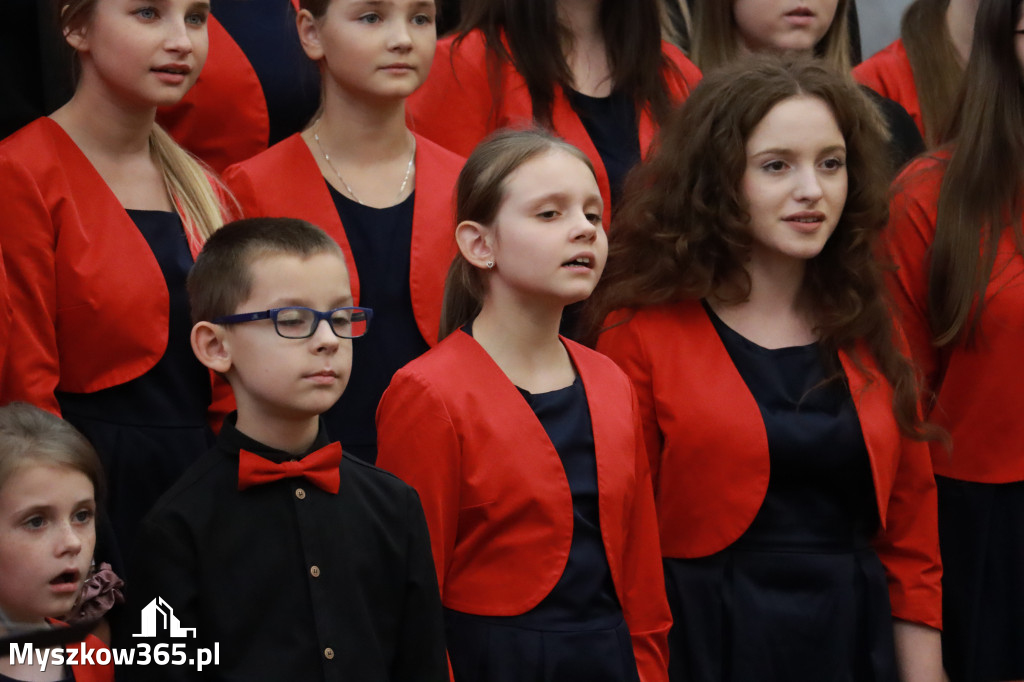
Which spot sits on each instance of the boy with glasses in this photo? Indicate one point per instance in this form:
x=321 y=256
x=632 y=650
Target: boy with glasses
x=295 y=562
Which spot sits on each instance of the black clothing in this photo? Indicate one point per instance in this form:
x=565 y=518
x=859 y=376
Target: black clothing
x=801 y=595
x=612 y=126
x=381 y=240
x=149 y=430
x=981 y=536
x=265 y=32
x=294 y=583
x=905 y=140
x=577 y=632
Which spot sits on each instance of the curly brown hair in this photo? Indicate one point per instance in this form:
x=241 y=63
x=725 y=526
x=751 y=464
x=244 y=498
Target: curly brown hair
x=682 y=229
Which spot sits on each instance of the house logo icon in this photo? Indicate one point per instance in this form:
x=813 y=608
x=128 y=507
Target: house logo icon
x=158 y=616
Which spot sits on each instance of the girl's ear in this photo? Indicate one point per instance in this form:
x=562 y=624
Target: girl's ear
x=76 y=38
x=475 y=243
x=309 y=35
x=211 y=347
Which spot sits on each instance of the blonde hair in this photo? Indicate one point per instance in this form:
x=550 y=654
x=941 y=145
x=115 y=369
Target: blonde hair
x=191 y=186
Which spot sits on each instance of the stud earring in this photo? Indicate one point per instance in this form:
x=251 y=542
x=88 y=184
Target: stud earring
x=489 y=264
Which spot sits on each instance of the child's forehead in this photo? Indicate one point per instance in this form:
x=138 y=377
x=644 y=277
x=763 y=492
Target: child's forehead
x=287 y=275
x=39 y=476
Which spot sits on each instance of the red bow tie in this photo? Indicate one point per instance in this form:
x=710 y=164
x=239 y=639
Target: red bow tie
x=320 y=468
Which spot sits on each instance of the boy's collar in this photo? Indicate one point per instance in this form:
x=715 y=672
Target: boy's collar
x=231 y=440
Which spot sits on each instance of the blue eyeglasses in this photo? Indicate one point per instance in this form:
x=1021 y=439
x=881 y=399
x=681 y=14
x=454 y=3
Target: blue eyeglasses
x=297 y=322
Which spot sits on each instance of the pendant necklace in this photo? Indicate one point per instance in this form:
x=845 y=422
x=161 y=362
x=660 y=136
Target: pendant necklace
x=405 y=180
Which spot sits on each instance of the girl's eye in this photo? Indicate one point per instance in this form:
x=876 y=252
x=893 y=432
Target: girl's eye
x=833 y=164
x=147 y=13
x=774 y=166
x=422 y=20
x=594 y=218
x=84 y=516
x=371 y=18
x=548 y=215
x=35 y=522
x=196 y=18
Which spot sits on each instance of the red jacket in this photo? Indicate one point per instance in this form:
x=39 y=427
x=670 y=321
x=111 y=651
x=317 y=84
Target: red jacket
x=87 y=296
x=5 y=318
x=709 y=451
x=286 y=181
x=456 y=107
x=496 y=496
x=979 y=387
x=889 y=74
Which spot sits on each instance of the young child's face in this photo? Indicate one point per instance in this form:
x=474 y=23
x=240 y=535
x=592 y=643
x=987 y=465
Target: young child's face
x=144 y=54
x=549 y=243
x=380 y=50
x=278 y=380
x=47 y=536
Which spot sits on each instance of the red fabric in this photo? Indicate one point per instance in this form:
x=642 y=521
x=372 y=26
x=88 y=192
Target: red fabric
x=978 y=387
x=889 y=74
x=456 y=107
x=87 y=295
x=286 y=181
x=90 y=672
x=223 y=118
x=5 y=319
x=495 y=493
x=709 y=451
x=319 y=467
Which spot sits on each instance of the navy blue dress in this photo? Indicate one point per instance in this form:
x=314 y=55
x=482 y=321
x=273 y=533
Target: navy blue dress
x=265 y=32
x=801 y=595
x=577 y=632
x=147 y=431
x=612 y=126
x=380 y=239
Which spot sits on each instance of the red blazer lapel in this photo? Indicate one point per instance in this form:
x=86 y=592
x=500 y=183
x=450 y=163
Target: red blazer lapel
x=433 y=233
x=872 y=398
x=286 y=180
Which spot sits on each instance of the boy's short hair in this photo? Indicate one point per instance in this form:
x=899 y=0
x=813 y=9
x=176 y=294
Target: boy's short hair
x=221 y=279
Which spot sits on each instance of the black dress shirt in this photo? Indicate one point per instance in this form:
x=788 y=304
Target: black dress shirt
x=292 y=582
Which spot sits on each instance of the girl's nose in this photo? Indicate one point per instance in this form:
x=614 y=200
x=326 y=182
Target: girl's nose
x=178 y=39
x=808 y=186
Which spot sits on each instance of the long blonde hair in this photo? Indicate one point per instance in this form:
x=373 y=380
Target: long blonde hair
x=191 y=186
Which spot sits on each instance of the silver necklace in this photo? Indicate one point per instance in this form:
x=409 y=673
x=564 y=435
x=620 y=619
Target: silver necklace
x=405 y=180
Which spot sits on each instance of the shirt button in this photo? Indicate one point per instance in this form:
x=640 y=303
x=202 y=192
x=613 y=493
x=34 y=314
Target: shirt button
x=328 y=653
x=315 y=571
x=300 y=493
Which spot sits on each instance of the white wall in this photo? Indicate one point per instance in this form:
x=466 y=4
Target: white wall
x=879 y=23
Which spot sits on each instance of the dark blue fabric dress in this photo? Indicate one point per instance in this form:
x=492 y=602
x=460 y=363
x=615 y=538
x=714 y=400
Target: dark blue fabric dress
x=612 y=126
x=380 y=239
x=577 y=633
x=149 y=430
x=265 y=32
x=801 y=595
x=981 y=537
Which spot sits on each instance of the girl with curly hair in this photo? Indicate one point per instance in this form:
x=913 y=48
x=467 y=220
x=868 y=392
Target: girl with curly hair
x=796 y=504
